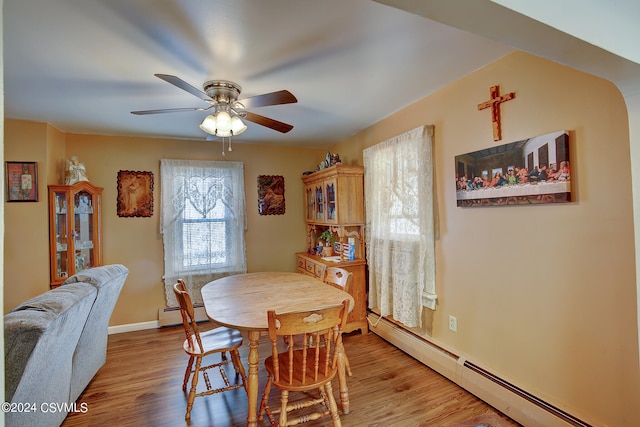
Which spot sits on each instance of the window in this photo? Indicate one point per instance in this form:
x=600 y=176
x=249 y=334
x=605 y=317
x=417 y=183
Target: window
x=204 y=234
x=203 y=220
x=404 y=200
x=399 y=206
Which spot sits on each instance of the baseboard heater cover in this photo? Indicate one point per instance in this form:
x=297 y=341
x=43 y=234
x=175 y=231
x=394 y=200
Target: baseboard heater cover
x=565 y=416
x=454 y=367
x=167 y=316
x=170 y=316
x=132 y=327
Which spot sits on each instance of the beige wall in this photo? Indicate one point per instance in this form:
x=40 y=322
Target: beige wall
x=136 y=242
x=26 y=256
x=544 y=295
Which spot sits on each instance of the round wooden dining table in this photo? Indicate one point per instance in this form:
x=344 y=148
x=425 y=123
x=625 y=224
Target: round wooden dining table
x=242 y=301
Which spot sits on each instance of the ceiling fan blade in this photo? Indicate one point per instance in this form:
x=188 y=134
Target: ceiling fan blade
x=270 y=123
x=179 y=83
x=273 y=98
x=167 y=110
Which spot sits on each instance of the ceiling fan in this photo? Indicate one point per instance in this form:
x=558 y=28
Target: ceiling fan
x=228 y=110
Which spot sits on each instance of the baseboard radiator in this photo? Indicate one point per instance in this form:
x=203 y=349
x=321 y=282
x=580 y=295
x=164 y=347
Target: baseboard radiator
x=169 y=316
x=509 y=399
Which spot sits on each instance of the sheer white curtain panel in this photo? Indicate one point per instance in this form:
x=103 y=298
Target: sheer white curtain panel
x=399 y=206
x=203 y=220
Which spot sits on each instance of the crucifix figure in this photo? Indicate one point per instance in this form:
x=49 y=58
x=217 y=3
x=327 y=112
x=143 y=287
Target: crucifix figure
x=494 y=103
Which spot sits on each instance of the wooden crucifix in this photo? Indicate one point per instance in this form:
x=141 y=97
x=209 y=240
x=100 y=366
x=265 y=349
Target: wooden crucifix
x=494 y=103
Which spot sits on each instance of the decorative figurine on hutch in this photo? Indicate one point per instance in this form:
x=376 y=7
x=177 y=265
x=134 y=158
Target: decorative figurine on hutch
x=331 y=159
x=76 y=171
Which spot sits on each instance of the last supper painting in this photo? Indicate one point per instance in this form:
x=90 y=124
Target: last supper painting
x=532 y=171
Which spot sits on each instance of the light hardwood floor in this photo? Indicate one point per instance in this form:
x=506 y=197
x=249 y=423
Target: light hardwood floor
x=140 y=385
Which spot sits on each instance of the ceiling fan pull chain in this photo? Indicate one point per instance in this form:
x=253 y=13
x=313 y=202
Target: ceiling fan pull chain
x=223 y=153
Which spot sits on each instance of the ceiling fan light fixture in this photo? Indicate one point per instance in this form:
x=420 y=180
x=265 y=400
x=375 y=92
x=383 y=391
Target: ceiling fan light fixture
x=223 y=123
x=237 y=125
x=209 y=124
x=224 y=133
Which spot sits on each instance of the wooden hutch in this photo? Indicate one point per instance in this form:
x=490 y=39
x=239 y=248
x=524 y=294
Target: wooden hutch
x=334 y=201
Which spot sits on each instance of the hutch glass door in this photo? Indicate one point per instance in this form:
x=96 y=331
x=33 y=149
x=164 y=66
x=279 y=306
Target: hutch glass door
x=83 y=235
x=61 y=225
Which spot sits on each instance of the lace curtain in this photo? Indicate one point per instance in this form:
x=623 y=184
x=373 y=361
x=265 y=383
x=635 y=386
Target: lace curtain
x=203 y=219
x=400 y=225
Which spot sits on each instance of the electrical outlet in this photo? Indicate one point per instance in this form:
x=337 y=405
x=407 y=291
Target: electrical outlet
x=453 y=324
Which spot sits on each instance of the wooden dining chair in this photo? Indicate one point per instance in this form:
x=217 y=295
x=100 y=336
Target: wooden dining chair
x=311 y=367
x=198 y=345
x=340 y=278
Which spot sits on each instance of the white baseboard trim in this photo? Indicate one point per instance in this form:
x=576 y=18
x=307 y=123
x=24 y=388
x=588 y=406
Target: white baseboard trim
x=512 y=401
x=118 y=329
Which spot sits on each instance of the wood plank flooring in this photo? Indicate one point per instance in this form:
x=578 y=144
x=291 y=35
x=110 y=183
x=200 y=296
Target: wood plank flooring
x=141 y=385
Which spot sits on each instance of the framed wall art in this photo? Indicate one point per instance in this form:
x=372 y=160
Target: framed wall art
x=22 y=181
x=532 y=171
x=135 y=194
x=271 y=195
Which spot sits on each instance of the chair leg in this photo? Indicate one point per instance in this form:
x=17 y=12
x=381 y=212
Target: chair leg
x=343 y=364
x=194 y=383
x=333 y=406
x=264 y=408
x=284 y=400
x=239 y=368
x=187 y=374
x=346 y=364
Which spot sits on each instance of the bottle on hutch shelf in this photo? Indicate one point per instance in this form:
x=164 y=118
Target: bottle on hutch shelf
x=349 y=249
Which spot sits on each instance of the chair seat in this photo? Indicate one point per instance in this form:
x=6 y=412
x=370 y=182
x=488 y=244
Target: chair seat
x=215 y=340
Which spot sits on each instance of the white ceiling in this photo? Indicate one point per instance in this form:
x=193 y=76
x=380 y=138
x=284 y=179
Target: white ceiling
x=595 y=36
x=83 y=65
x=609 y=24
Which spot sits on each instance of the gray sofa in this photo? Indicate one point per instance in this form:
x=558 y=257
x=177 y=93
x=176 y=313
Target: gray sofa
x=55 y=343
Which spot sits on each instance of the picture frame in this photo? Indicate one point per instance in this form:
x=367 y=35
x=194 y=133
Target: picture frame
x=135 y=194
x=271 y=195
x=531 y=171
x=22 y=181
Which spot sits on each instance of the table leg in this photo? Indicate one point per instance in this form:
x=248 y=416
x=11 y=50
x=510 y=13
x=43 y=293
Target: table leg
x=342 y=380
x=252 y=386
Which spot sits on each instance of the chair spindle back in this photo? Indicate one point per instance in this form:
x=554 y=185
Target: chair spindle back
x=310 y=327
x=187 y=312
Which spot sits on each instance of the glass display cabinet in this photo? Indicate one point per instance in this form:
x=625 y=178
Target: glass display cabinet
x=75 y=229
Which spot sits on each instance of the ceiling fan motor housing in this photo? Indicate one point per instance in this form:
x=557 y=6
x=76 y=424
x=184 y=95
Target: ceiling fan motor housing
x=222 y=91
